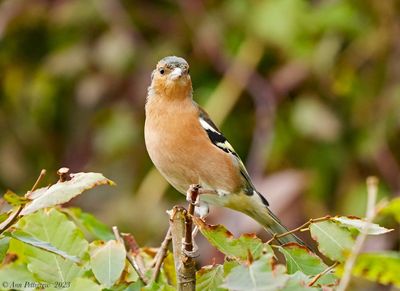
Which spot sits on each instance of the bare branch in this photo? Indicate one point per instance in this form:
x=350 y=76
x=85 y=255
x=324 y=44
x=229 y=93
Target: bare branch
x=184 y=264
x=13 y=216
x=300 y=228
x=129 y=257
x=41 y=175
x=161 y=254
x=319 y=275
x=133 y=247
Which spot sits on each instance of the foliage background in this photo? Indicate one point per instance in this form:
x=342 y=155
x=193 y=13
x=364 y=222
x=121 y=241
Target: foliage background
x=317 y=107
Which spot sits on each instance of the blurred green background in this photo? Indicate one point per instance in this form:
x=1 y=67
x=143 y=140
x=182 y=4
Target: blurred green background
x=308 y=92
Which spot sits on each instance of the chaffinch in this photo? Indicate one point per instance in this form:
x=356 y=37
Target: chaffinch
x=188 y=149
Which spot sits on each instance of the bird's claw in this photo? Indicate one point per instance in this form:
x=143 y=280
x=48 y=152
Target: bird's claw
x=191 y=254
x=193 y=187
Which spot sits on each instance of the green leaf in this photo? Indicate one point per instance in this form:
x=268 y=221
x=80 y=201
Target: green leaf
x=52 y=227
x=4 y=244
x=3 y=216
x=108 y=262
x=299 y=258
x=14 y=276
x=298 y=282
x=169 y=268
x=154 y=286
x=136 y=286
x=359 y=224
x=209 y=278
x=383 y=267
x=393 y=208
x=30 y=240
x=14 y=199
x=333 y=240
x=80 y=283
x=224 y=241
x=88 y=222
x=229 y=265
x=257 y=276
x=10 y=216
x=62 y=192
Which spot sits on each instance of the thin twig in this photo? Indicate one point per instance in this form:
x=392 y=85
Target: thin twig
x=304 y=225
x=372 y=189
x=13 y=216
x=327 y=270
x=133 y=247
x=41 y=175
x=129 y=257
x=161 y=254
x=11 y=219
x=194 y=192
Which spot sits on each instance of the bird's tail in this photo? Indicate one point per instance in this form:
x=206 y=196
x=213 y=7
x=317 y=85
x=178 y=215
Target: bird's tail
x=272 y=224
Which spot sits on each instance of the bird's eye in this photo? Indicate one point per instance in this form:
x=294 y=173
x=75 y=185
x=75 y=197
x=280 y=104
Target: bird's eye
x=162 y=71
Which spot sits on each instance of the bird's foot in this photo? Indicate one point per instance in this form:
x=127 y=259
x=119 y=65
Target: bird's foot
x=194 y=253
x=192 y=188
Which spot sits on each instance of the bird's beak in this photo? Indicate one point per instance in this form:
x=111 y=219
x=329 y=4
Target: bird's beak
x=176 y=73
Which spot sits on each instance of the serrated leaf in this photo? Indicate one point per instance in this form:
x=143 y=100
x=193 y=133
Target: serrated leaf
x=383 y=267
x=108 y=262
x=52 y=227
x=14 y=199
x=360 y=224
x=62 y=192
x=299 y=258
x=209 y=278
x=224 y=241
x=13 y=277
x=89 y=223
x=257 y=276
x=30 y=240
x=392 y=208
x=333 y=240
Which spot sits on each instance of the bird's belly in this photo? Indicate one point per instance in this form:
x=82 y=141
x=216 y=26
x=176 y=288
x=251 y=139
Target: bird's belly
x=185 y=163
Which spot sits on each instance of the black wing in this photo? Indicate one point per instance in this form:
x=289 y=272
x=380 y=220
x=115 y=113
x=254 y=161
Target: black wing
x=219 y=140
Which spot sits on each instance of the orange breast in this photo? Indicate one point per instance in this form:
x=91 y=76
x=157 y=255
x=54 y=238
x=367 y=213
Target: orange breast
x=182 y=151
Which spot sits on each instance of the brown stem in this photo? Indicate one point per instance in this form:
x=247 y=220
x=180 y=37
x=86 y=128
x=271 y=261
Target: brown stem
x=312 y=220
x=161 y=254
x=41 y=175
x=13 y=216
x=327 y=270
x=194 y=192
x=129 y=257
x=133 y=247
x=184 y=264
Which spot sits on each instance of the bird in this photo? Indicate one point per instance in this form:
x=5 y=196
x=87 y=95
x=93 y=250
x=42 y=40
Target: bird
x=190 y=151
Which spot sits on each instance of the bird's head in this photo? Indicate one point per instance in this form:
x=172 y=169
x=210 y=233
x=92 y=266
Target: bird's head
x=171 y=77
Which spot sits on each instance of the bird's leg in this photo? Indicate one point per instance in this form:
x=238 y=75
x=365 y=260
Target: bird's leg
x=201 y=209
x=192 y=188
x=199 y=190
